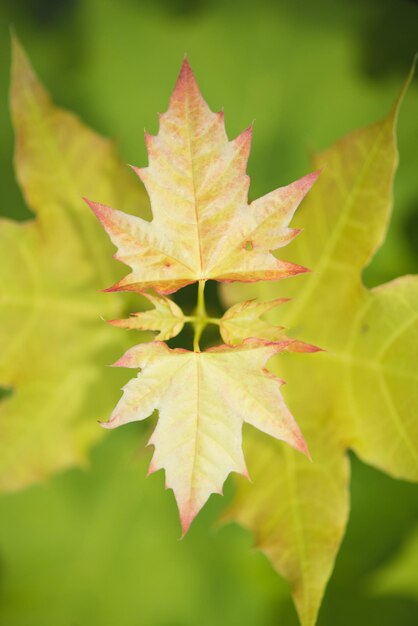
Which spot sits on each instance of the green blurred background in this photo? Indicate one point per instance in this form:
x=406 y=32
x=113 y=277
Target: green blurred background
x=99 y=546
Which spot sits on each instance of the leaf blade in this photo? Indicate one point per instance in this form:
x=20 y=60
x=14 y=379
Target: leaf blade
x=202 y=227
x=202 y=404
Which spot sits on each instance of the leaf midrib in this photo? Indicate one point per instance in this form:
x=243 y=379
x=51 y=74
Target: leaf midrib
x=193 y=175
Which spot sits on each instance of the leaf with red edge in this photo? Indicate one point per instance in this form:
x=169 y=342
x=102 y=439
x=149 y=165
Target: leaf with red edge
x=203 y=400
x=203 y=227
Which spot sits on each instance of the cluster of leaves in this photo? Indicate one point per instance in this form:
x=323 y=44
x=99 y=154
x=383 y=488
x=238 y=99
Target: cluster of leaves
x=360 y=393
x=202 y=229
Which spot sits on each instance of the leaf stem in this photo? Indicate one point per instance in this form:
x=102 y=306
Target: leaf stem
x=209 y=320
x=200 y=316
x=201 y=308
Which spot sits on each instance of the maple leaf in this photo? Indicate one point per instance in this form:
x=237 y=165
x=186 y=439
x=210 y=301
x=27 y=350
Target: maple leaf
x=166 y=317
x=203 y=400
x=53 y=341
x=361 y=393
x=202 y=227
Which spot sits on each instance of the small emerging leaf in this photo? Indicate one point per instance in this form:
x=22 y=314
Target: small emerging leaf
x=203 y=400
x=166 y=317
x=203 y=227
x=242 y=321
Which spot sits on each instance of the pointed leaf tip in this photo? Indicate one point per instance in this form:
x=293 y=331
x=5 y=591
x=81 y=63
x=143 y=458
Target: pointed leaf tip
x=185 y=66
x=397 y=104
x=306 y=182
x=18 y=52
x=186 y=520
x=185 y=81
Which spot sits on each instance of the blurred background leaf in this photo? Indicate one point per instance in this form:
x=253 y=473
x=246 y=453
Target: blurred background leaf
x=55 y=266
x=361 y=392
x=100 y=547
x=399 y=577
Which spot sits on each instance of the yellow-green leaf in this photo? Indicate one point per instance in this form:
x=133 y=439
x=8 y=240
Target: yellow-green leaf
x=166 y=317
x=203 y=227
x=53 y=342
x=362 y=392
x=203 y=400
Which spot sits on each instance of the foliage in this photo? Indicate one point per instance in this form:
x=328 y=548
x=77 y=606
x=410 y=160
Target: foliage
x=202 y=228
x=348 y=372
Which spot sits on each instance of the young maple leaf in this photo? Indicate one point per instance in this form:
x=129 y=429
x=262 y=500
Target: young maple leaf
x=203 y=227
x=243 y=320
x=166 y=317
x=203 y=400
x=362 y=392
